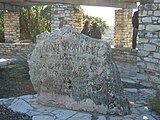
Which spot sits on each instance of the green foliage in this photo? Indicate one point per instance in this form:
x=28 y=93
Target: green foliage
x=101 y=24
x=1 y=27
x=154 y=102
x=21 y=68
x=34 y=20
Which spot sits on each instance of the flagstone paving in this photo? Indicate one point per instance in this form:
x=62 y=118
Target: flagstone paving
x=27 y=104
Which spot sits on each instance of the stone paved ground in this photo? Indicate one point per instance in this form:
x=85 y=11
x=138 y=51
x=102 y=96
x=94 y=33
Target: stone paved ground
x=27 y=104
x=137 y=97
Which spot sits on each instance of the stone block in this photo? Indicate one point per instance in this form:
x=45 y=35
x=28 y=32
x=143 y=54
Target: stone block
x=155 y=79
x=141 y=27
x=142 y=34
x=152 y=66
x=142 y=13
x=81 y=116
x=153 y=28
x=153 y=60
x=71 y=70
x=155 y=41
x=150 y=13
x=138 y=59
x=151 y=34
x=155 y=18
x=141 y=64
x=43 y=117
x=142 y=76
x=156 y=55
x=143 y=40
x=149 y=47
x=147 y=1
x=63 y=114
x=157 y=13
x=146 y=19
x=20 y=106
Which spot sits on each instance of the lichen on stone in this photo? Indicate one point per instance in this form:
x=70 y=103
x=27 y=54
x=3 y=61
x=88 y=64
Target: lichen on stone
x=71 y=70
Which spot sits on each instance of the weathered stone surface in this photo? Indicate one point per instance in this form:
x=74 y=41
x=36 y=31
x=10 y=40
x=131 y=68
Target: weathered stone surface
x=71 y=70
x=143 y=13
x=153 y=28
x=20 y=106
x=43 y=117
x=157 y=13
x=81 y=116
x=156 y=55
x=147 y=19
x=11 y=26
x=123 y=28
x=63 y=114
x=141 y=27
x=139 y=108
x=149 y=47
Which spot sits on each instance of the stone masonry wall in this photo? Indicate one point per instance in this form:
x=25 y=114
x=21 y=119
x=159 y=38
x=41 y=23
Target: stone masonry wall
x=66 y=12
x=119 y=54
x=11 y=26
x=123 y=28
x=126 y=55
x=78 y=19
x=148 y=60
x=11 y=48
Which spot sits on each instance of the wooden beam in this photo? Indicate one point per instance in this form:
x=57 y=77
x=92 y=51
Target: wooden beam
x=10 y=7
x=107 y=3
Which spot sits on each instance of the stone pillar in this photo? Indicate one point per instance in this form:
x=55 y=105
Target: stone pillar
x=123 y=28
x=11 y=26
x=148 y=60
x=78 y=19
x=66 y=14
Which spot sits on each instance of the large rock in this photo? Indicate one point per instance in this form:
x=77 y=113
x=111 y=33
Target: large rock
x=71 y=70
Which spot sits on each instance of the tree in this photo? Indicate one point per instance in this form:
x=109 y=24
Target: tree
x=34 y=20
x=1 y=27
x=101 y=24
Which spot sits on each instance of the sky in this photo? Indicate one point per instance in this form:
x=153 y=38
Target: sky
x=106 y=13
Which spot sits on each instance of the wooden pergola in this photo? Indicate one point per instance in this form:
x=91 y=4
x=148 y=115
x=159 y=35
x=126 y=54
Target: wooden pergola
x=15 y=4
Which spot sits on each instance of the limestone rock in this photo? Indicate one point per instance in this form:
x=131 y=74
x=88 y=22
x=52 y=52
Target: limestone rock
x=71 y=70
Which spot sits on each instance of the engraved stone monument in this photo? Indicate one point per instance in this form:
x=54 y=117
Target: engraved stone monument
x=74 y=71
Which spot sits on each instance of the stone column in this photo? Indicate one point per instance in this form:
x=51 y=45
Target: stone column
x=148 y=60
x=123 y=28
x=11 y=26
x=66 y=14
x=78 y=19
